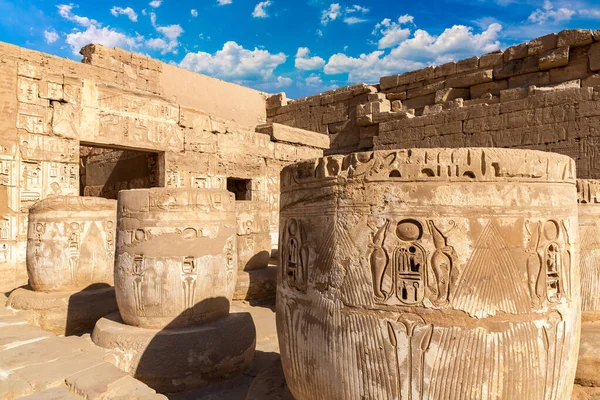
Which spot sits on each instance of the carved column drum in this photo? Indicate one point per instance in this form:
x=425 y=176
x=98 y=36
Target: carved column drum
x=429 y=274
x=71 y=243
x=176 y=259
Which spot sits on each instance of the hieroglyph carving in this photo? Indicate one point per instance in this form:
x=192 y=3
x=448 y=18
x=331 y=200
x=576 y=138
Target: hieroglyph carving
x=295 y=255
x=411 y=270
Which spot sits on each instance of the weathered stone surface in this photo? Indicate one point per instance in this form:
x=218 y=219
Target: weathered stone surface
x=64 y=313
x=71 y=243
x=445 y=70
x=287 y=134
x=182 y=241
x=254 y=251
x=574 y=37
x=470 y=79
x=593 y=80
x=491 y=59
x=516 y=52
x=415 y=285
x=491 y=87
x=466 y=65
x=450 y=94
x=223 y=349
x=516 y=67
x=542 y=44
x=554 y=58
x=594 y=55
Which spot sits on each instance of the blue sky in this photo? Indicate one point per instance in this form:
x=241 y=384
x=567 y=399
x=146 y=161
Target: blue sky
x=301 y=47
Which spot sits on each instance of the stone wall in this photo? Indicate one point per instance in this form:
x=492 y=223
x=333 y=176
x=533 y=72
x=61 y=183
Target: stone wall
x=542 y=95
x=115 y=99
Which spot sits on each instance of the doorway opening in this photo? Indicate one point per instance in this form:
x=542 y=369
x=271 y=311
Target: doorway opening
x=104 y=171
x=242 y=188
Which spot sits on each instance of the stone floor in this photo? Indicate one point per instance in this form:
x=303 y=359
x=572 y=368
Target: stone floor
x=37 y=365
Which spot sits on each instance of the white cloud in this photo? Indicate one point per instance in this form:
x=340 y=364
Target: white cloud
x=313 y=80
x=416 y=52
x=104 y=36
x=406 y=19
x=392 y=33
x=131 y=14
x=236 y=63
x=194 y=12
x=95 y=33
x=319 y=33
x=348 y=14
x=155 y=3
x=66 y=11
x=306 y=63
x=50 y=35
x=283 y=82
x=260 y=11
x=169 y=42
x=547 y=13
x=330 y=14
x=223 y=2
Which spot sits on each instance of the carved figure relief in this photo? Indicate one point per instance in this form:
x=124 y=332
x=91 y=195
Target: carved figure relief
x=410 y=357
x=229 y=254
x=378 y=260
x=189 y=272
x=138 y=270
x=443 y=266
x=74 y=247
x=546 y=260
x=295 y=256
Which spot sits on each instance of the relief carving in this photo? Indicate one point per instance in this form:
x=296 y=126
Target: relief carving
x=295 y=255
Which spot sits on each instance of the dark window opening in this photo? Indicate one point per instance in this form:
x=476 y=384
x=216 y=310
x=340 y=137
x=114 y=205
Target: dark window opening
x=105 y=171
x=242 y=188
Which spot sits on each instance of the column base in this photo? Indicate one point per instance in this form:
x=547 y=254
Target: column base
x=180 y=359
x=256 y=284
x=64 y=313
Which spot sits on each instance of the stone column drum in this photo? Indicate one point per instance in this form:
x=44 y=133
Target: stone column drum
x=70 y=263
x=71 y=243
x=175 y=274
x=589 y=230
x=429 y=274
x=176 y=258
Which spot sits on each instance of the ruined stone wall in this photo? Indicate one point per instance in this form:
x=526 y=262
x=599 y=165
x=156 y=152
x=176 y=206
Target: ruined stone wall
x=51 y=107
x=541 y=95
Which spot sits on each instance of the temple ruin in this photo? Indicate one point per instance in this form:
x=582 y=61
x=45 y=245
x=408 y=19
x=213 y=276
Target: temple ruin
x=436 y=235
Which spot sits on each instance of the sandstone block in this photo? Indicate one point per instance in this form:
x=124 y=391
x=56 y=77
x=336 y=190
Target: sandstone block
x=526 y=80
x=411 y=239
x=596 y=35
x=388 y=82
x=574 y=37
x=256 y=284
x=593 y=80
x=419 y=102
x=276 y=100
x=516 y=67
x=513 y=94
x=450 y=94
x=254 y=251
x=466 y=65
x=554 y=58
x=594 y=55
x=491 y=59
x=283 y=133
x=542 y=44
x=470 y=79
x=396 y=96
x=516 y=52
x=574 y=84
x=445 y=70
x=493 y=88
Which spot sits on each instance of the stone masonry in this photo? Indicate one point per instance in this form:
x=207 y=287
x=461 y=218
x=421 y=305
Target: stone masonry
x=55 y=110
x=541 y=95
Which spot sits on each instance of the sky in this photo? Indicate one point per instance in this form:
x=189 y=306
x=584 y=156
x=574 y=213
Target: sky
x=300 y=47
